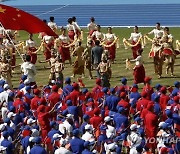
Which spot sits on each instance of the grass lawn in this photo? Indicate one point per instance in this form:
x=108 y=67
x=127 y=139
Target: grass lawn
x=118 y=68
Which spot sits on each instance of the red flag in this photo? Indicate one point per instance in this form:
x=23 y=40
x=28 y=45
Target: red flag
x=15 y=19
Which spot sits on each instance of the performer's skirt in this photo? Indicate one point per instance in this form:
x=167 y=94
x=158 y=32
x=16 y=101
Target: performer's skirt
x=139 y=74
x=135 y=49
x=167 y=52
x=47 y=53
x=32 y=54
x=78 y=69
x=91 y=32
x=64 y=52
x=112 y=50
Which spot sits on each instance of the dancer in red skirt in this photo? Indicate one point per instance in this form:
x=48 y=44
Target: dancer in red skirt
x=71 y=29
x=91 y=26
x=48 y=45
x=109 y=38
x=76 y=26
x=97 y=35
x=139 y=71
x=31 y=47
x=63 y=50
x=134 y=38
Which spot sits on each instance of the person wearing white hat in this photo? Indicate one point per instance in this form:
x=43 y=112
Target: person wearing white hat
x=88 y=135
x=134 y=138
x=26 y=83
x=30 y=122
x=66 y=126
x=63 y=149
x=110 y=131
x=31 y=142
x=11 y=115
x=110 y=148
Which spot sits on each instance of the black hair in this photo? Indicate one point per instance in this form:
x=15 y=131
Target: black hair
x=158 y=24
x=136 y=27
x=92 y=19
x=74 y=18
x=45 y=21
x=166 y=28
x=51 y=19
x=70 y=20
x=28 y=58
x=97 y=42
x=98 y=26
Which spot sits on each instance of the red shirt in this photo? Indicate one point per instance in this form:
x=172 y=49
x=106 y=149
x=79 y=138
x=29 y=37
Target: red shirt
x=124 y=104
x=95 y=121
x=43 y=119
x=141 y=104
x=147 y=88
x=163 y=101
x=97 y=92
x=53 y=99
x=34 y=103
x=19 y=105
x=74 y=97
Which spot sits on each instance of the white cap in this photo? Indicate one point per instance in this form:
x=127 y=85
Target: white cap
x=30 y=121
x=6 y=86
x=134 y=126
x=11 y=114
x=31 y=139
x=69 y=116
x=164 y=134
x=111 y=146
x=26 y=81
x=161 y=124
x=35 y=133
x=2 y=126
x=53 y=81
x=107 y=119
x=88 y=127
x=55 y=136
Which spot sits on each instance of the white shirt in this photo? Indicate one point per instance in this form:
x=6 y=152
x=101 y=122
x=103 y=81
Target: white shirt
x=110 y=131
x=62 y=150
x=4 y=97
x=110 y=37
x=2 y=31
x=91 y=26
x=52 y=25
x=135 y=37
x=30 y=43
x=65 y=125
x=76 y=26
x=47 y=39
x=98 y=35
x=87 y=136
x=134 y=139
x=64 y=39
x=29 y=69
x=157 y=33
x=71 y=27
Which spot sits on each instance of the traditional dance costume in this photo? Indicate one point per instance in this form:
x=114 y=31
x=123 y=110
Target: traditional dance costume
x=31 y=46
x=91 y=27
x=98 y=36
x=112 y=49
x=64 y=51
x=49 y=44
x=134 y=38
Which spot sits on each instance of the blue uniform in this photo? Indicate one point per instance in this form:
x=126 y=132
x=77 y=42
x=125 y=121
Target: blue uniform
x=10 y=131
x=86 y=151
x=25 y=143
x=135 y=96
x=77 y=145
x=22 y=85
x=175 y=90
x=120 y=121
x=82 y=127
x=6 y=143
x=52 y=132
x=112 y=102
x=67 y=89
x=157 y=108
x=38 y=149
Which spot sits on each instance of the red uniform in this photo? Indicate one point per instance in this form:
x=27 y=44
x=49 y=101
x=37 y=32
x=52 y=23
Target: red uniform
x=149 y=90
x=74 y=97
x=54 y=98
x=19 y=105
x=142 y=104
x=163 y=101
x=95 y=121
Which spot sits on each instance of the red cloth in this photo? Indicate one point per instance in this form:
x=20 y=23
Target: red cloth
x=64 y=52
x=151 y=128
x=112 y=50
x=74 y=97
x=167 y=52
x=147 y=88
x=163 y=101
x=33 y=55
x=142 y=104
x=34 y=102
x=91 y=32
x=139 y=74
x=15 y=19
x=47 y=52
x=124 y=104
x=53 y=99
x=19 y=105
x=71 y=34
x=97 y=92
x=135 y=49
x=95 y=121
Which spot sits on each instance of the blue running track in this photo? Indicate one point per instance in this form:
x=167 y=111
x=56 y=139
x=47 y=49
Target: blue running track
x=110 y=15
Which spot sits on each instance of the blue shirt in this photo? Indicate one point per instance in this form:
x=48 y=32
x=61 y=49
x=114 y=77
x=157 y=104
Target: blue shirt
x=112 y=102
x=10 y=131
x=77 y=145
x=1 y=89
x=52 y=132
x=175 y=90
x=157 y=108
x=22 y=85
x=74 y=111
x=120 y=121
x=135 y=95
x=6 y=143
x=67 y=89
x=86 y=151
x=38 y=149
x=25 y=143
x=82 y=127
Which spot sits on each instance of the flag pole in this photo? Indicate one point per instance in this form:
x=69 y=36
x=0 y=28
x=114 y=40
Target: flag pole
x=11 y=41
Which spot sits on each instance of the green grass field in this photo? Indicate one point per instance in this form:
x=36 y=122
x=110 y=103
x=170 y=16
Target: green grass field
x=118 y=68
